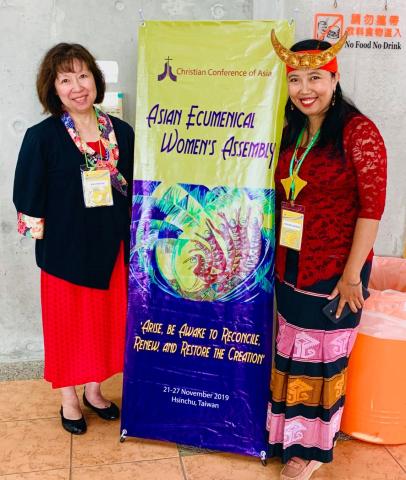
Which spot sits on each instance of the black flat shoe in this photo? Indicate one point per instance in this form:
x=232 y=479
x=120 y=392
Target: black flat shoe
x=77 y=427
x=109 y=413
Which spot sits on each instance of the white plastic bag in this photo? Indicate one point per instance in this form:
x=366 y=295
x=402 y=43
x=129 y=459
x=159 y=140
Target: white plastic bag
x=384 y=313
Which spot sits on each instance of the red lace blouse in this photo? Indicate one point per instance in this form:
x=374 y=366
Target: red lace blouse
x=339 y=191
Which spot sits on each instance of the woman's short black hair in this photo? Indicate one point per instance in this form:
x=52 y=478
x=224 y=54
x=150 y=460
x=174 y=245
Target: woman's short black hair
x=331 y=131
x=310 y=44
x=60 y=58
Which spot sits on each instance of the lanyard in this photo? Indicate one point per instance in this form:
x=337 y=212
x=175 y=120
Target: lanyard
x=294 y=170
x=89 y=164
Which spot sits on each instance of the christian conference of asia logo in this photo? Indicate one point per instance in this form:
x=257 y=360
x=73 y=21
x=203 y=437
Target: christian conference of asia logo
x=168 y=72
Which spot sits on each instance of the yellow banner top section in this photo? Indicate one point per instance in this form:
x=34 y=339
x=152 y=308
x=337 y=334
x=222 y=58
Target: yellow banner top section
x=210 y=102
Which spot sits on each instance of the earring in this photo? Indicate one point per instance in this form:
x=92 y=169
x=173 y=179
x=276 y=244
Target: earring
x=292 y=107
x=333 y=99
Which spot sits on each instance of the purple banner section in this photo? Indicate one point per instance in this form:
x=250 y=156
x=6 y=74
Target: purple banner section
x=199 y=331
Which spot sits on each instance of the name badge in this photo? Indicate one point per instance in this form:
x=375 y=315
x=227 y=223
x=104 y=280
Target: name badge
x=292 y=222
x=97 y=190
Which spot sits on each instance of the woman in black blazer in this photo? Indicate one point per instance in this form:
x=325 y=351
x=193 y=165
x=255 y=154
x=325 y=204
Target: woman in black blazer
x=72 y=192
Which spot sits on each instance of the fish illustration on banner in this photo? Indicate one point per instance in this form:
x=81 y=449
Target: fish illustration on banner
x=210 y=104
x=202 y=244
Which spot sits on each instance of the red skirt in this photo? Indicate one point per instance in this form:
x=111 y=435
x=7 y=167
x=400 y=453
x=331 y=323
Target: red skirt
x=84 y=328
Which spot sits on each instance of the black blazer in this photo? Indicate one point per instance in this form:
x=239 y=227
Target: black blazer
x=80 y=244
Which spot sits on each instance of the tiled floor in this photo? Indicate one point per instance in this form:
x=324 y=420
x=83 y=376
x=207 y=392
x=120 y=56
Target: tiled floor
x=33 y=446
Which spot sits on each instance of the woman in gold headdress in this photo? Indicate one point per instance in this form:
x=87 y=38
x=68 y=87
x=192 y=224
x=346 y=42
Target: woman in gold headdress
x=330 y=195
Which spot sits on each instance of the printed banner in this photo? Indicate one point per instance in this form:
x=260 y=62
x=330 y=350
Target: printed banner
x=210 y=101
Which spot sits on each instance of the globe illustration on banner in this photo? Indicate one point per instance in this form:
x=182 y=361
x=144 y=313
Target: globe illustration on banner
x=202 y=244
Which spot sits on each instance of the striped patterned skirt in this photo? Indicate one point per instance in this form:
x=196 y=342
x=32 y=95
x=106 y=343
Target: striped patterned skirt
x=310 y=372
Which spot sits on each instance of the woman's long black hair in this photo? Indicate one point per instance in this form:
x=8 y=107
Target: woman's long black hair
x=331 y=131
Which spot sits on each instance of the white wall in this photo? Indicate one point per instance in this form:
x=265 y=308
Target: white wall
x=28 y=28
x=374 y=80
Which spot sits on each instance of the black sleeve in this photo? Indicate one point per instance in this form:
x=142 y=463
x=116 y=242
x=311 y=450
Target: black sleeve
x=29 y=192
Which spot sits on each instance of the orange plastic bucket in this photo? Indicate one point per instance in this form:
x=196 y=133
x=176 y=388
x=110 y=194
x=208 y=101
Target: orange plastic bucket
x=375 y=407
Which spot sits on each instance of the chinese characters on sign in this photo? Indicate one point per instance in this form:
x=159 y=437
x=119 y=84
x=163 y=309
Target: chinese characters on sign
x=375 y=31
x=374 y=26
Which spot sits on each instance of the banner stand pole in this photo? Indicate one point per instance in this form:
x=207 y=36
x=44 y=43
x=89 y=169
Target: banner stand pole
x=123 y=435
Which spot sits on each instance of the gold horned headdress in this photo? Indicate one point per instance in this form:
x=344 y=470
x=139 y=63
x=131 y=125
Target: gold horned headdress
x=325 y=59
